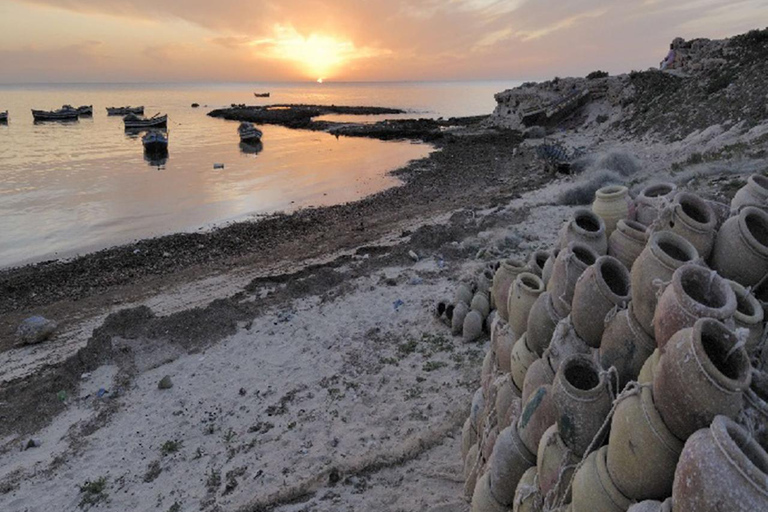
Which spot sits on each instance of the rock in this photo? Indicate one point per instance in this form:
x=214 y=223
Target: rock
x=35 y=329
x=33 y=443
x=413 y=255
x=165 y=383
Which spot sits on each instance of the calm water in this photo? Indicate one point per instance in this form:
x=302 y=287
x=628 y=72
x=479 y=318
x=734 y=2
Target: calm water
x=66 y=189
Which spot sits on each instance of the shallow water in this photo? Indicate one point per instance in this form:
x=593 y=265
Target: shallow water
x=69 y=188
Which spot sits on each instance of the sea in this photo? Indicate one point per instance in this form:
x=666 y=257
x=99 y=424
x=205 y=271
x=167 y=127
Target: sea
x=67 y=189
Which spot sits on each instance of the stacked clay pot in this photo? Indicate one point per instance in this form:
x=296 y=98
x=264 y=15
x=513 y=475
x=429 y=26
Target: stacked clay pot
x=749 y=315
x=521 y=358
x=754 y=193
x=571 y=262
x=502 y=341
x=653 y=269
x=509 y=461
x=537 y=261
x=741 y=247
x=627 y=241
x=540 y=373
x=538 y=414
x=594 y=490
x=625 y=346
x=755 y=413
x=611 y=205
x=603 y=287
x=585 y=228
x=701 y=373
x=721 y=468
x=652 y=200
x=546 y=271
x=693 y=219
x=502 y=280
x=565 y=343
x=695 y=292
x=527 y=495
x=555 y=465
x=522 y=294
x=542 y=321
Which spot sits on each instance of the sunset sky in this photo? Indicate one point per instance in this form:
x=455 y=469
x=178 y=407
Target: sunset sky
x=349 y=40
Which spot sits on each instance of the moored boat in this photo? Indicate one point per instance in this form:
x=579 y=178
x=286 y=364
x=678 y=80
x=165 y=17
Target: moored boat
x=261 y=94
x=249 y=133
x=155 y=141
x=134 y=122
x=124 y=111
x=4 y=117
x=85 y=110
x=62 y=114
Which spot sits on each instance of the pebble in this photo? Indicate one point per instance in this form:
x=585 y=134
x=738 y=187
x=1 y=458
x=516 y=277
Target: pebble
x=165 y=383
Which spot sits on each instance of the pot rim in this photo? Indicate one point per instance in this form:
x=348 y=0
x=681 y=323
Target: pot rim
x=613 y=492
x=723 y=430
x=756 y=318
x=602 y=285
x=762 y=188
x=718 y=378
x=577 y=394
x=521 y=283
x=670 y=188
x=533 y=260
x=633 y=229
x=689 y=304
x=611 y=192
x=656 y=422
x=678 y=242
x=701 y=205
x=637 y=330
x=582 y=213
x=751 y=242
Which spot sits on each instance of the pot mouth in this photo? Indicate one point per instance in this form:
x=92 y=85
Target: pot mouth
x=513 y=264
x=658 y=190
x=614 y=277
x=588 y=222
x=704 y=290
x=583 y=253
x=672 y=249
x=612 y=192
x=539 y=258
x=715 y=348
x=530 y=282
x=581 y=377
x=761 y=181
x=748 y=309
x=753 y=224
x=632 y=226
x=694 y=210
x=734 y=439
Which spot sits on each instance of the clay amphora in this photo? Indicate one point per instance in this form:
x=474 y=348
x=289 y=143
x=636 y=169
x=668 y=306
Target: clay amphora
x=538 y=414
x=565 y=343
x=476 y=409
x=468 y=438
x=593 y=490
x=460 y=311
x=486 y=371
x=539 y=373
x=651 y=200
x=625 y=346
x=509 y=461
x=536 y=262
x=521 y=359
x=602 y=288
x=648 y=371
x=469 y=462
x=749 y=315
x=505 y=396
x=503 y=341
x=571 y=262
x=721 y=468
x=522 y=294
x=555 y=462
x=754 y=193
x=693 y=219
x=701 y=373
x=627 y=241
x=546 y=272
x=480 y=304
x=741 y=247
x=483 y=500
x=502 y=280
x=463 y=294
x=695 y=292
x=642 y=452
x=583 y=399
x=473 y=326
x=754 y=417
x=542 y=320
x=586 y=228
x=612 y=205
x=653 y=269
x=527 y=495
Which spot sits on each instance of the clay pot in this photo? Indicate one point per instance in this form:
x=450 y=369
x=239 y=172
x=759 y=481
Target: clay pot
x=463 y=294
x=627 y=241
x=693 y=219
x=460 y=311
x=571 y=262
x=473 y=326
x=555 y=464
x=468 y=438
x=503 y=343
x=625 y=346
x=521 y=359
x=565 y=343
x=513 y=413
x=469 y=462
x=502 y=281
x=489 y=321
x=509 y=461
x=593 y=490
x=754 y=417
x=480 y=304
x=652 y=506
x=522 y=294
x=539 y=373
x=648 y=371
x=586 y=228
x=486 y=371
x=536 y=262
x=505 y=396
x=651 y=200
x=741 y=247
x=722 y=212
x=701 y=373
x=476 y=409
x=538 y=414
x=546 y=272
x=484 y=281
x=603 y=287
x=749 y=315
x=695 y=292
x=754 y=193
x=583 y=399
x=527 y=495
x=721 y=468
x=483 y=500
x=642 y=452
x=664 y=254
x=542 y=321
x=612 y=205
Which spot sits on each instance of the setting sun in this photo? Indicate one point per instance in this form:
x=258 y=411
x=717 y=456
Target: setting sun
x=319 y=80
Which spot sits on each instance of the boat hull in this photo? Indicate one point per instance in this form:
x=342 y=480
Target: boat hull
x=124 y=111
x=41 y=115
x=140 y=124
